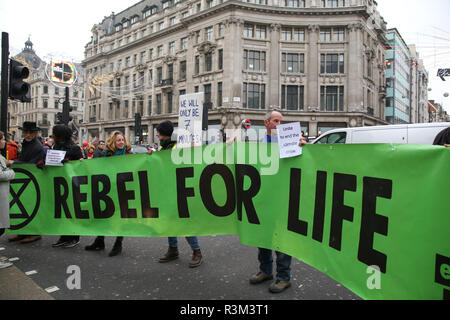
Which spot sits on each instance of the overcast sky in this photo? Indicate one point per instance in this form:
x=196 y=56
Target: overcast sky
x=61 y=29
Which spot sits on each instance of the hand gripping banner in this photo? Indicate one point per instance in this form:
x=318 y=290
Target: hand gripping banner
x=375 y=218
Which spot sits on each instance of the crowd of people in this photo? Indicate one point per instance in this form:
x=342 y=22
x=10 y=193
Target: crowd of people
x=33 y=150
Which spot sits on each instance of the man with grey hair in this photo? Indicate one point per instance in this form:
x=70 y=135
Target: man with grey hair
x=273 y=119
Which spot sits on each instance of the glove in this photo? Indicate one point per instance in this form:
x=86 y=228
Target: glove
x=40 y=164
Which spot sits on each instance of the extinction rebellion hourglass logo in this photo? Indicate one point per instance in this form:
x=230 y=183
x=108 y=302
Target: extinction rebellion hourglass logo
x=23 y=187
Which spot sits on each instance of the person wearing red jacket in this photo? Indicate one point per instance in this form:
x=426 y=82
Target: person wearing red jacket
x=12 y=149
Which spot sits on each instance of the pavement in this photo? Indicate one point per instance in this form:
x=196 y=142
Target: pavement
x=15 y=285
x=41 y=272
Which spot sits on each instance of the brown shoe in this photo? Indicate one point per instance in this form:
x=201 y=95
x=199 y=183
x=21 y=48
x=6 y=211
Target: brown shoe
x=30 y=239
x=196 y=259
x=170 y=255
x=260 y=277
x=279 y=286
x=17 y=237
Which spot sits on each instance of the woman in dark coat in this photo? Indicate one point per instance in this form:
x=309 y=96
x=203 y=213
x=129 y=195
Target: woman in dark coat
x=63 y=142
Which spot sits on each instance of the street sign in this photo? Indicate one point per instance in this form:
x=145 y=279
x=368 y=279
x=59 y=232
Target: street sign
x=246 y=124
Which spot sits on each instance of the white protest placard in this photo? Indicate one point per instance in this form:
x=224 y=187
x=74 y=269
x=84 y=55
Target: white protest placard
x=190 y=118
x=288 y=140
x=54 y=158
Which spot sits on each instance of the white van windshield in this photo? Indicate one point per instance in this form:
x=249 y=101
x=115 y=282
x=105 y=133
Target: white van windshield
x=333 y=138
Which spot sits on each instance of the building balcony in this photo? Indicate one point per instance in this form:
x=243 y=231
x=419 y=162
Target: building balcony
x=165 y=83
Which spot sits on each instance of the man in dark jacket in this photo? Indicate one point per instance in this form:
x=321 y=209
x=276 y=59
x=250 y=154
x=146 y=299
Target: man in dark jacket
x=32 y=152
x=63 y=142
x=100 y=150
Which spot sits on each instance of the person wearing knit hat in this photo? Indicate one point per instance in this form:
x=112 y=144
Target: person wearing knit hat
x=62 y=135
x=165 y=128
x=164 y=133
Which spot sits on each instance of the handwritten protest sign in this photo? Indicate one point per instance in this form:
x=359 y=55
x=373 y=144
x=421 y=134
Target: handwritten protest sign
x=288 y=140
x=190 y=120
x=54 y=158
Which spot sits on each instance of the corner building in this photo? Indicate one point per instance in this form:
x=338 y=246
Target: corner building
x=322 y=62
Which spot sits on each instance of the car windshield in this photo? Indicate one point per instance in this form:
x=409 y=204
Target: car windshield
x=139 y=149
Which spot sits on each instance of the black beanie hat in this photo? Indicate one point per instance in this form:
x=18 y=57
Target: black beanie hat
x=165 y=128
x=62 y=132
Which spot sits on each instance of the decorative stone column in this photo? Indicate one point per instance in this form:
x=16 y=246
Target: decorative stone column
x=313 y=67
x=273 y=66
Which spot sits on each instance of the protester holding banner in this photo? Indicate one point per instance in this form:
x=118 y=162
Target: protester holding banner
x=6 y=175
x=63 y=142
x=100 y=149
x=164 y=133
x=32 y=152
x=116 y=145
x=272 y=120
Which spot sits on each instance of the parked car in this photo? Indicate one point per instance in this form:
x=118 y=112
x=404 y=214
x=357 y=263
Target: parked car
x=419 y=133
x=139 y=148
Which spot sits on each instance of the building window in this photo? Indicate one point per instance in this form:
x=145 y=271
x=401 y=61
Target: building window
x=208 y=62
x=260 y=32
x=150 y=103
x=207 y=91
x=339 y=34
x=220 y=59
x=292 y=97
x=254 y=60
x=293 y=62
x=172 y=47
x=248 y=31
x=209 y=33
x=219 y=93
x=197 y=65
x=293 y=34
x=169 y=102
x=332 y=63
x=325 y=35
x=184 y=43
x=158 y=104
x=221 y=30
x=332 y=98
x=254 y=31
x=159 y=75
x=170 y=71
x=335 y=34
x=45 y=90
x=160 y=51
x=254 y=96
x=183 y=70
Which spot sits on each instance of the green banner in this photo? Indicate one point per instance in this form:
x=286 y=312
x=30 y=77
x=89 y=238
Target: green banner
x=373 y=217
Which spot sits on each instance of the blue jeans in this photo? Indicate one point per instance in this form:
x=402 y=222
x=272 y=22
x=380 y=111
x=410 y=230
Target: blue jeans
x=193 y=242
x=283 y=264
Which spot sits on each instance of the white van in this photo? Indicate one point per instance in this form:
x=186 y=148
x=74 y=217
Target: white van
x=420 y=133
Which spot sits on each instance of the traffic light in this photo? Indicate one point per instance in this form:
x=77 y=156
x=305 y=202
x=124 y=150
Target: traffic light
x=59 y=118
x=18 y=89
x=66 y=116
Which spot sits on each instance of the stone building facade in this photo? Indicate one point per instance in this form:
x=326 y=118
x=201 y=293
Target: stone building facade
x=321 y=62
